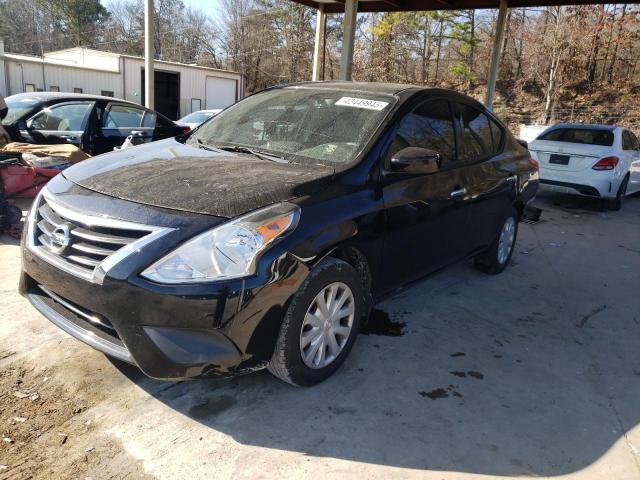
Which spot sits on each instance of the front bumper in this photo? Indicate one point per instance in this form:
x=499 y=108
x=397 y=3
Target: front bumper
x=168 y=331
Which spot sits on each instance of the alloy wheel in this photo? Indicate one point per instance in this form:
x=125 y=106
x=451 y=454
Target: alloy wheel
x=327 y=325
x=505 y=242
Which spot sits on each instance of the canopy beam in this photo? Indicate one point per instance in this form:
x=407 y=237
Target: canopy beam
x=149 y=54
x=495 y=54
x=319 y=47
x=348 y=38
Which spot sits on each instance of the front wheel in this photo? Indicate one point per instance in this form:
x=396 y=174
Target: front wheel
x=320 y=325
x=496 y=257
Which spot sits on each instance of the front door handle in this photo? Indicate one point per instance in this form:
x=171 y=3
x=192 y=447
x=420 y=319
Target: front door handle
x=137 y=133
x=460 y=192
x=69 y=138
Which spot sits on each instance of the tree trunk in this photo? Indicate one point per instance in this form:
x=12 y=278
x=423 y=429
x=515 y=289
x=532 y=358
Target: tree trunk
x=617 y=43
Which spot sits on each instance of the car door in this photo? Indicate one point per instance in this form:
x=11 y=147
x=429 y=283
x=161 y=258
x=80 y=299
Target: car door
x=60 y=123
x=119 y=120
x=631 y=149
x=427 y=214
x=489 y=177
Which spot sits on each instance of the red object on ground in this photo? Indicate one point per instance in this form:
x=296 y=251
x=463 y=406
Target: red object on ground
x=25 y=182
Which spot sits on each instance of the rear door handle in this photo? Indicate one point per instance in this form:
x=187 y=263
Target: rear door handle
x=70 y=138
x=458 y=193
x=137 y=133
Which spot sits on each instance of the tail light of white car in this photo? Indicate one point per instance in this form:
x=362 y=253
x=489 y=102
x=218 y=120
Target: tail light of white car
x=534 y=163
x=606 y=163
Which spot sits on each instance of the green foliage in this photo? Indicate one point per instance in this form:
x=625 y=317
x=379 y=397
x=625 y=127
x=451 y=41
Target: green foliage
x=77 y=18
x=462 y=71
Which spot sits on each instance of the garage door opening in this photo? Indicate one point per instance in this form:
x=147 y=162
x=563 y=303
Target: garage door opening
x=167 y=93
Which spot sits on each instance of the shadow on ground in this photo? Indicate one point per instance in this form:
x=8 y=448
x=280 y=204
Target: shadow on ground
x=532 y=372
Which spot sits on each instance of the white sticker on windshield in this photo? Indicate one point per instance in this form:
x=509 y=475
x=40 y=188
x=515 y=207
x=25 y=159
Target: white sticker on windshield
x=361 y=103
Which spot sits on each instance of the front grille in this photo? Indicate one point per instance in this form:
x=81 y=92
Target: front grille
x=97 y=321
x=83 y=324
x=79 y=244
x=84 y=245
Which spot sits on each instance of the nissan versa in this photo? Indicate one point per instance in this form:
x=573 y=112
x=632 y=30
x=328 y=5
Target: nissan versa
x=263 y=238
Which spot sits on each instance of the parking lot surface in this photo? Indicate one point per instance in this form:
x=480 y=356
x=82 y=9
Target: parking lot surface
x=531 y=373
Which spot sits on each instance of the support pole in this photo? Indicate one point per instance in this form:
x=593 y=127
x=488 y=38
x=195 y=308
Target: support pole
x=149 y=54
x=495 y=54
x=318 y=50
x=348 y=38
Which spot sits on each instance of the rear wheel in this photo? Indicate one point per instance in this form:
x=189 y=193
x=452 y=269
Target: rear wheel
x=616 y=203
x=320 y=325
x=496 y=257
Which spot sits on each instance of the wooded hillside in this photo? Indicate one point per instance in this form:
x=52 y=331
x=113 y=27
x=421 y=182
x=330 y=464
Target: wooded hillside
x=576 y=63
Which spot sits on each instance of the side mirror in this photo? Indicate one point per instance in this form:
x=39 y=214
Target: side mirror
x=415 y=160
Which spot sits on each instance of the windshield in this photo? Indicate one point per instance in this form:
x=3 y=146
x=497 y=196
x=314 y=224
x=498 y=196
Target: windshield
x=588 y=136
x=196 y=117
x=18 y=108
x=303 y=125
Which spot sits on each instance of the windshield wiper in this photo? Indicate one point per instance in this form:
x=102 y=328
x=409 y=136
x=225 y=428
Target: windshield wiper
x=201 y=144
x=256 y=153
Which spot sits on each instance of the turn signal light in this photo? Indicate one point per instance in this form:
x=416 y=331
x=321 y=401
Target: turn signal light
x=606 y=163
x=186 y=130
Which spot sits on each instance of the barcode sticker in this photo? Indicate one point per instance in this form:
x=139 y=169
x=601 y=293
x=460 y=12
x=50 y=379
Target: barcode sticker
x=361 y=103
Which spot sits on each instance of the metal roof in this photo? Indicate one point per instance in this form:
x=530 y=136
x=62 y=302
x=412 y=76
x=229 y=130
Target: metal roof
x=337 y=6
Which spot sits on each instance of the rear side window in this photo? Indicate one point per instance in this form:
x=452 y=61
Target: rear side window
x=428 y=126
x=123 y=116
x=629 y=141
x=149 y=120
x=587 y=136
x=481 y=136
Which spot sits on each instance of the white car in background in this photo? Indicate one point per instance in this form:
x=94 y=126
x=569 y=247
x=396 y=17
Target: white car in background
x=195 y=119
x=594 y=160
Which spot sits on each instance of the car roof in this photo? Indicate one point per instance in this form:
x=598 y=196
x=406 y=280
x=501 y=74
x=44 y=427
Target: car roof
x=368 y=87
x=47 y=96
x=401 y=90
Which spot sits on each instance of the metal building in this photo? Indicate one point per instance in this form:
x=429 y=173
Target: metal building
x=179 y=88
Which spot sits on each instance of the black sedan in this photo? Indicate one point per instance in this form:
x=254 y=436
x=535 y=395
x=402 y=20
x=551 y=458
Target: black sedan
x=93 y=123
x=265 y=237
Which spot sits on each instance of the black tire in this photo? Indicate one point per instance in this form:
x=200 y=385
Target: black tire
x=488 y=261
x=616 y=203
x=287 y=363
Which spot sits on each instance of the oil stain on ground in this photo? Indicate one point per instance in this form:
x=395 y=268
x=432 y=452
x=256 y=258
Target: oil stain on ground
x=213 y=406
x=435 y=394
x=380 y=323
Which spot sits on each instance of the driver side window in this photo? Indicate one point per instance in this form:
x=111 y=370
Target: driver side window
x=68 y=117
x=429 y=126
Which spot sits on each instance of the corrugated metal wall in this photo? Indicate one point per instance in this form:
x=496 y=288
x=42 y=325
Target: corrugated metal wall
x=127 y=84
x=192 y=82
x=43 y=77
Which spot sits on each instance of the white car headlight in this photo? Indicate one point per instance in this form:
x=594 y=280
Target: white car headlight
x=229 y=250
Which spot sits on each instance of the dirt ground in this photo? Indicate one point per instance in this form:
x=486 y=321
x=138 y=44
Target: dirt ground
x=532 y=373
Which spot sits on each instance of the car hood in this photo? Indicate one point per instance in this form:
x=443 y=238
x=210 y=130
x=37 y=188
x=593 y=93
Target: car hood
x=173 y=175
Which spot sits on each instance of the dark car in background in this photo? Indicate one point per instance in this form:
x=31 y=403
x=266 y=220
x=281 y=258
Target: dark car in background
x=93 y=123
x=264 y=238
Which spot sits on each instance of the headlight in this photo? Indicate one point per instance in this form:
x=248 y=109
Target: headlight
x=227 y=251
